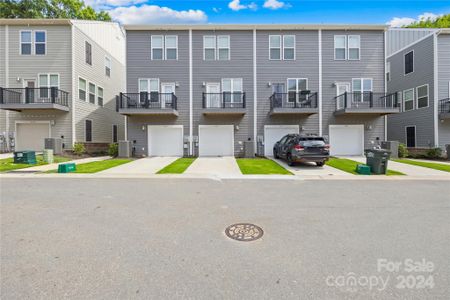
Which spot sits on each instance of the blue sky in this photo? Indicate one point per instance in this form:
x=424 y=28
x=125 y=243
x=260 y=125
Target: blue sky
x=399 y=12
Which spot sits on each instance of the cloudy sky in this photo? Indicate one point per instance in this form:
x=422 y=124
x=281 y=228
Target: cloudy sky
x=393 y=12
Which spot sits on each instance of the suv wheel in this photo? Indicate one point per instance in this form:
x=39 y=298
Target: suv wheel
x=289 y=160
x=275 y=154
x=320 y=163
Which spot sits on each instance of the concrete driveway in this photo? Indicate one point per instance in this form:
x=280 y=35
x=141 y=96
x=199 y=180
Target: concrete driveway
x=148 y=165
x=224 y=167
x=310 y=169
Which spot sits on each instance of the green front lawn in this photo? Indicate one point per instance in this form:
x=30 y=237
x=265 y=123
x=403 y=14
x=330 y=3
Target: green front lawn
x=97 y=166
x=177 y=167
x=431 y=165
x=7 y=164
x=349 y=166
x=260 y=166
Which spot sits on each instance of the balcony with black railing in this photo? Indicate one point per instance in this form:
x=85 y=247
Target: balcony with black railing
x=302 y=103
x=43 y=98
x=228 y=103
x=444 y=109
x=367 y=103
x=147 y=103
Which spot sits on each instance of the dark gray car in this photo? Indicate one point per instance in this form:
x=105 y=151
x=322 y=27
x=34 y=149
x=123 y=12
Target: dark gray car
x=298 y=148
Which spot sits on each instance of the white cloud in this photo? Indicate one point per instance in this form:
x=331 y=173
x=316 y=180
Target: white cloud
x=399 y=22
x=275 y=4
x=154 y=14
x=102 y=4
x=236 y=5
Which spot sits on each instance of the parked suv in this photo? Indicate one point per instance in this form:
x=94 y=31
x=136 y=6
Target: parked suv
x=299 y=148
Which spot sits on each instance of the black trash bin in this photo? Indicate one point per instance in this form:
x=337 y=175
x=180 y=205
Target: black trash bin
x=378 y=159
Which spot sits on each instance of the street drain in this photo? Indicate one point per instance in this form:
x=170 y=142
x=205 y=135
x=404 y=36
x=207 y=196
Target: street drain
x=244 y=232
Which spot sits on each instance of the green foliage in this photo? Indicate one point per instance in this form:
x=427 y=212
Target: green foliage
x=113 y=150
x=441 y=22
x=402 y=151
x=50 y=9
x=434 y=153
x=79 y=149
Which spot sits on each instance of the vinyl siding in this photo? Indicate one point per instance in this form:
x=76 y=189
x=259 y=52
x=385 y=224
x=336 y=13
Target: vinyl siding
x=370 y=65
x=423 y=74
x=444 y=81
x=102 y=117
x=140 y=65
x=397 y=39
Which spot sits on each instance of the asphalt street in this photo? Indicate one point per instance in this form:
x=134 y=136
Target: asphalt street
x=164 y=239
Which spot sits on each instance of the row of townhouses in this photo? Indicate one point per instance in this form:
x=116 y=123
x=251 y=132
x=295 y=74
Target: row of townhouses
x=212 y=90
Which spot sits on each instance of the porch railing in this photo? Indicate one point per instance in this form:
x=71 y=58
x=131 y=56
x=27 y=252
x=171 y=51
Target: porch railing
x=366 y=100
x=444 y=106
x=224 y=100
x=34 y=96
x=293 y=100
x=148 y=100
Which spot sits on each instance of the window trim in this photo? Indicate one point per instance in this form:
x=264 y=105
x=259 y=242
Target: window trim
x=348 y=47
x=345 y=47
x=415 y=135
x=35 y=43
x=103 y=96
x=85 y=91
x=283 y=47
x=215 y=47
x=296 y=87
x=92 y=131
x=413 y=99
x=232 y=80
x=85 y=53
x=117 y=132
x=388 y=71
x=148 y=84
x=404 y=63
x=218 y=48
x=152 y=47
x=362 y=84
x=89 y=93
x=107 y=58
x=428 y=96
x=31 y=42
x=165 y=46
x=48 y=78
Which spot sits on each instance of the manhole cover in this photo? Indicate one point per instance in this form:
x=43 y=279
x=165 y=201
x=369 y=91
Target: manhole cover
x=244 y=232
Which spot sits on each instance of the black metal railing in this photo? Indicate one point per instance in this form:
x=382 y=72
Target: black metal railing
x=367 y=100
x=293 y=100
x=34 y=96
x=148 y=100
x=224 y=100
x=444 y=106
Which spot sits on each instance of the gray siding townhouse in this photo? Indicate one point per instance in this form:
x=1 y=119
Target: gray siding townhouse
x=418 y=68
x=207 y=89
x=60 y=79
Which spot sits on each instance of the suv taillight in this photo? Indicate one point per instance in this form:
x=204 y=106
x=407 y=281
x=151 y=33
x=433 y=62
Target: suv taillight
x=298 y=147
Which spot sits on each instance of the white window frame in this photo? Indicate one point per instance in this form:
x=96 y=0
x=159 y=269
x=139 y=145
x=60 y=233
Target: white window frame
x=112 y=133
x=404 y=64
x=218 y=48
x=284 y=47
x=92 y=130
x=362 y=84
x=39 y=43
x=48 y=80
x=165 y=47
x=415 y=135
x=215 y=47
x=152 y=47
x=89 y=93
x=103 y=95
x=281 y=47
x=348 y=47
x=428 y=96
x=85 y=90
x=148 y=84
x=413 y=99
x=232 y=80
x=345 y=47
x=31 y=42
x=85 y=54
x=108 y=66
x=297 y=90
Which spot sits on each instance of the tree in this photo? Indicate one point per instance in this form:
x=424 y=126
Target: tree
x=50 y=9
x=441 y=22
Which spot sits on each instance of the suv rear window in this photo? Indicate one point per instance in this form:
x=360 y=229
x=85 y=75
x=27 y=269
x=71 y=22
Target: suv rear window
x=312 y=141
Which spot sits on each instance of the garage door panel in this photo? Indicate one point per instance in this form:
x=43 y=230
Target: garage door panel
x=165 y=141
x=346 y=139
x=274 y=134
x=216 y=140
x=31 y=136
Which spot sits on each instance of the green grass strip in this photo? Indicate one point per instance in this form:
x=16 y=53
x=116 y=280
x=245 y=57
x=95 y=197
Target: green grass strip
x=7 y=164
x=349 y=166
x=260 y=166
x=430 y=165
x=177 y=167
x=97 y=166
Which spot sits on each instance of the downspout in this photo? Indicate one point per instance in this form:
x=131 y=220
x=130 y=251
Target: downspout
x=385 y=83
x=436 y=89
x=320 y=84
x=191 y=149
x=7 y=82
x=255 y=93
x=74 y=86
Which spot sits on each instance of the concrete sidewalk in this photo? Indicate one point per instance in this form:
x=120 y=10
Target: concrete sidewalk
x=310 y=169
x=149 y=165
x=54 y=166
x=6 y=155
x=215 y=166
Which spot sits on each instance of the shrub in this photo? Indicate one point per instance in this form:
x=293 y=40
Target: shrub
x=434 y=153
x=79 y=149
x=402 y=151
x=113 y=150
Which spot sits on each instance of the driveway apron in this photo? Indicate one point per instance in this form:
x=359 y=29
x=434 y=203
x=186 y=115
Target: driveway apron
x=149 y=165
x=215 y=166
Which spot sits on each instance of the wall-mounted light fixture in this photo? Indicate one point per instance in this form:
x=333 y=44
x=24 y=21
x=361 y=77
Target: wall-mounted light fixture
x=269 y=84
x=236 y=127
x=18 y=79
x=143 y=127
x=203 y=83
x=369 y=127
x=177 y=84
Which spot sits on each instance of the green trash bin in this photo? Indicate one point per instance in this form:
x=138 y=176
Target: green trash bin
x=25 y=157
x=378 y=160
x=66 y=168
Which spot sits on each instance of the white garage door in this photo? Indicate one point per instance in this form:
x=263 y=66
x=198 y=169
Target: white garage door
x=274 y=133
x=165 y=140
x=347 y=139
x=216 y=140
x=31 y=136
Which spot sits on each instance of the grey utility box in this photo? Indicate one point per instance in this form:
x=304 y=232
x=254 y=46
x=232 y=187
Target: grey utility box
x=124 y=149
x=447 y=148
x=377 y=159
x=249 y=149
x=391 y=146
x=54 y=144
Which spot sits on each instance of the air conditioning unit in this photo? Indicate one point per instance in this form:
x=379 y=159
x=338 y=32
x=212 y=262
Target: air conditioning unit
x=54 y=144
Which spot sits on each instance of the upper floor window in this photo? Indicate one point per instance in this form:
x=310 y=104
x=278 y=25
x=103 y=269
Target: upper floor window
x=347 y=47
x=25 y=42
x=408 y=100
x=148 y=85
x=91 y=93
x=275 y=47
x=340 y=47
x=354 y=44
x=422 y=96
x=46 y=82
x=289 y=47
x=409 y=62
x=82 y=89
x=164 y=47
x=40 y=41
x=100 y=96
x=171 y=47
x=216 y=48
x=282 y=47
x=88 y=53
x=107 y=66
x=157 y=47
x=294 y=87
